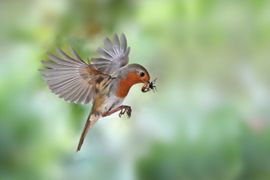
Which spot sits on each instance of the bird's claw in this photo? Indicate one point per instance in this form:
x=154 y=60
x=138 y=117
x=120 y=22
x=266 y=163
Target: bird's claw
x=125 y=109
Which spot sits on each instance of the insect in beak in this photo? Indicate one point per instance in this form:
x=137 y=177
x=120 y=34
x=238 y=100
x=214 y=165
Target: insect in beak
x=150 y=86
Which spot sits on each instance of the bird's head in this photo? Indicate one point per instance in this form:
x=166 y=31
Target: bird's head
x=130 y=75
x=136 y=73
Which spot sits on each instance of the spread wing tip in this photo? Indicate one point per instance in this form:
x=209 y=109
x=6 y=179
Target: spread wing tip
x=67 y=77
x=115 y=51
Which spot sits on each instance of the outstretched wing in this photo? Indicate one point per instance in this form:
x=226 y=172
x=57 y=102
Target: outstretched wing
x=70 y=77
x=113 y=55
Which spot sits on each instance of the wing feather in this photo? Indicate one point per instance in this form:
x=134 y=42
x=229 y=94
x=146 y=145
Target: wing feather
x=70 y=77
x=113 y=55
x=123 y=42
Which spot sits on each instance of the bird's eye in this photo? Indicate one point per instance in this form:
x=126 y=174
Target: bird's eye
x=141 y=74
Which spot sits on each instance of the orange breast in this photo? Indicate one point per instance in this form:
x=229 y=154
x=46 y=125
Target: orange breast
x=126 y=83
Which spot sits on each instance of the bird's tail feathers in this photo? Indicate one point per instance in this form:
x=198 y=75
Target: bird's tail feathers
x=92 y=118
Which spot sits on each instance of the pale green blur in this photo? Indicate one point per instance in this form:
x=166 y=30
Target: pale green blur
x=209 y=119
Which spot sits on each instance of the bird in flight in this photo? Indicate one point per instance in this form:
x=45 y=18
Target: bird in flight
x=105 y=81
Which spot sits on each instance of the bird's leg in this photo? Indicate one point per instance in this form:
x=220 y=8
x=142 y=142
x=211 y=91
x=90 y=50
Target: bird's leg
x=123 y=109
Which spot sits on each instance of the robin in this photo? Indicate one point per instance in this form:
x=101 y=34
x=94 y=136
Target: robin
x=105 y=81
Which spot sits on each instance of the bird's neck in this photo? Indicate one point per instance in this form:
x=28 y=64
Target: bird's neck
x=125 y=83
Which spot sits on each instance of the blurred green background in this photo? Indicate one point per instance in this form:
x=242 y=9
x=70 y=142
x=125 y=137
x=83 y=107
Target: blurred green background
x=208 y=120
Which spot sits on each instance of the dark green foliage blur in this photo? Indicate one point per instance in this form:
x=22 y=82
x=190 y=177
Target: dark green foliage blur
x=208 y=120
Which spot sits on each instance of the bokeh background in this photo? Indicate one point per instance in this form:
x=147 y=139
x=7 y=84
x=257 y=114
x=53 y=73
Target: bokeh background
x=208 y=120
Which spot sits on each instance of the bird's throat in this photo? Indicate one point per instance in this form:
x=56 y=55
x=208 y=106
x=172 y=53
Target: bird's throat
x=125 y=84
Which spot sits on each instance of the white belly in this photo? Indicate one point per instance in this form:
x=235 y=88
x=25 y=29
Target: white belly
x=112 y=103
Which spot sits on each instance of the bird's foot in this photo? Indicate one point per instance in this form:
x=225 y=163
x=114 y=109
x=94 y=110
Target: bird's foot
x=125 y=109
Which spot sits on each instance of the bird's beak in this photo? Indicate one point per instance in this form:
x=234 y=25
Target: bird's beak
x=145 y=87
x=149 y=86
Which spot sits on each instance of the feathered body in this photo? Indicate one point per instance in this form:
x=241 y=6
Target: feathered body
x=106 y=81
